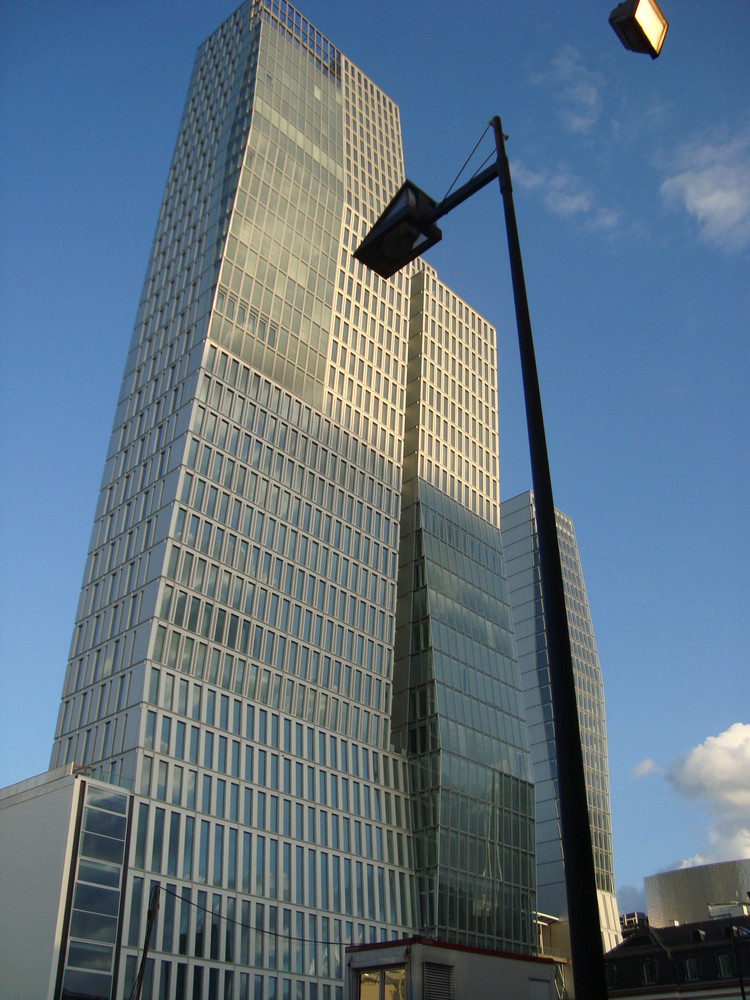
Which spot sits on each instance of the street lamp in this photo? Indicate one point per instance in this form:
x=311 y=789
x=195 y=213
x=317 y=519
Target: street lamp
x=403 y=231
x=640 y=26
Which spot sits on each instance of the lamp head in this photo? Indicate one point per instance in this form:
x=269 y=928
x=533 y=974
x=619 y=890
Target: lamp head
x=640 y=26
x=402 y=232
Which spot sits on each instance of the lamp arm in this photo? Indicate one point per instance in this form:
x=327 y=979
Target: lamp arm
x=482 y=179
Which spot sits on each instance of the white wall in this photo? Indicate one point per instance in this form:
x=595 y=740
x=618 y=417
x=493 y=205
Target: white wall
x=37 y=823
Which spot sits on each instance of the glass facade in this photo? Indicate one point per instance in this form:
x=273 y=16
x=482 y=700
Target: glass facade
x=524 y=580
x=233 y=654
x=458 y=706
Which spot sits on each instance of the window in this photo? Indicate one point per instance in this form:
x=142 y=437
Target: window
x=384 y=984
x=724 y=963
x=369 y=986
x=649 y=972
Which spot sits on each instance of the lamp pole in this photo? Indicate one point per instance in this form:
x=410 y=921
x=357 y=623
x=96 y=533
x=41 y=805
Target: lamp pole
x=405 y=229
x=738 y=958
x=580 y=879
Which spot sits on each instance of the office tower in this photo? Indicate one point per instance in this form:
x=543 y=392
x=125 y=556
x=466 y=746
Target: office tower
x=521 y=548
x=233 y=655
x=458 y=705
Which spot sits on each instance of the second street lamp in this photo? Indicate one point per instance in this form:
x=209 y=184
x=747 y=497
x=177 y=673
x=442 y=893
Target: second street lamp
x=404 y=230
x=640 y=26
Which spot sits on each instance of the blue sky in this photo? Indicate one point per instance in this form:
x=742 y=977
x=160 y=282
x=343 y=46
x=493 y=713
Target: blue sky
x=632 y=188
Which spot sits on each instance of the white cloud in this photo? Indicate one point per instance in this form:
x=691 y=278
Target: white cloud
x=525 y=177
x=565 y=194
x=717 y=772
x=694 y=862
x=605 y=218
x=577 y=89
x=717 y=769
x=710 y=179
x=646 y=767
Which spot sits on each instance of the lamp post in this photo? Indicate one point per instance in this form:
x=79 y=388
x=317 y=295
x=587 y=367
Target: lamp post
x=404 y=230
x=736 y=931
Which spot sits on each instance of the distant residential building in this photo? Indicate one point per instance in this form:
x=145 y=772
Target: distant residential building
x=685 y=895
x=706 y=960
x=521 y=548
x=630 y=923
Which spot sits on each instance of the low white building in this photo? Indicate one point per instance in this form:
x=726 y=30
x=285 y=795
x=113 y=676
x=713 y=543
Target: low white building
x=64 y=838
x=419 y=969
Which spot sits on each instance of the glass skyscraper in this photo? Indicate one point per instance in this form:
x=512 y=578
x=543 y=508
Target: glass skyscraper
x=293 y=641
x=521 y=549
x=458 y=704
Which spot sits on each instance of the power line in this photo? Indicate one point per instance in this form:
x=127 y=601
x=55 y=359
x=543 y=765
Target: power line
x=251 y=927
